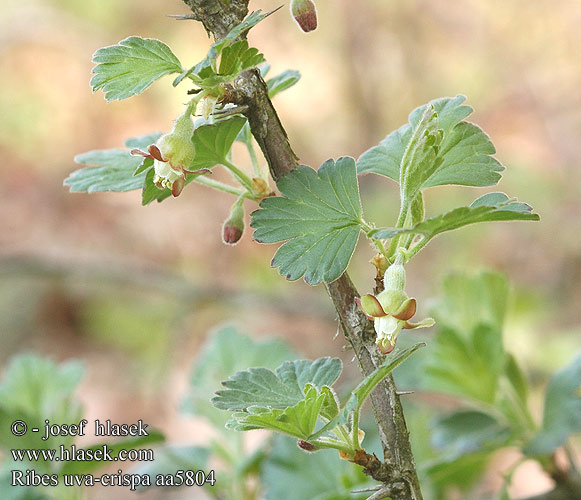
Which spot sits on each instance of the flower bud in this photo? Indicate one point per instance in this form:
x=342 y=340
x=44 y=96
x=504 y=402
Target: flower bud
x=177 y=147
x=394 y=278
x=234 y=225
x=305 y=14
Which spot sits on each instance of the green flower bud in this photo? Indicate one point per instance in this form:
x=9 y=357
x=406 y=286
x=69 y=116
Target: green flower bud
x=305 y=14
x=177 y=146
x=394 y=278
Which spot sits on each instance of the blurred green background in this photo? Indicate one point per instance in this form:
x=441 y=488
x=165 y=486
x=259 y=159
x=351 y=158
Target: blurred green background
x=134 y=291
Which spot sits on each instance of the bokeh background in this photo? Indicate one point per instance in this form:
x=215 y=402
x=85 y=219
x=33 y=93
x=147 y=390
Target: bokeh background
x=134 y=291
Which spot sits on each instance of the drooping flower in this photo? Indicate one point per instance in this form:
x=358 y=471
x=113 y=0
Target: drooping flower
x=391 y=309
x=172 y=153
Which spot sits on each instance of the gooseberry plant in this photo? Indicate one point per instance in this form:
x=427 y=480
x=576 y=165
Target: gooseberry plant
x=317 y=216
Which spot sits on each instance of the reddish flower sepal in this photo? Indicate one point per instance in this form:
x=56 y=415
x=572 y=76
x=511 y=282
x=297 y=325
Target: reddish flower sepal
x=391 y=310
x=171 y=176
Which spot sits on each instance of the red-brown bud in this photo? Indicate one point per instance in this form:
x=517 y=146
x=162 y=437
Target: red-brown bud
x=234 y=224
x=305 y=445
x=305 y=14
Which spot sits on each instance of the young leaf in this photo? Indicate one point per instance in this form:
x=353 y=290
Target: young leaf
x=487 y=208
x=283 y=81
x=115 y=169
x=204 y=74
x=239 y=57
x=263 y=388
x=562 y=412
x=131 y=66
x=320 y=214
x=462 y=156
x=298 y=421
x=214 y=141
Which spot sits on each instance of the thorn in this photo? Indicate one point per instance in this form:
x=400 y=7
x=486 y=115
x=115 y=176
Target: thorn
x=384 y=492
x=404 y=393
x=182 y=17
x=336 y=334
x=367 y=490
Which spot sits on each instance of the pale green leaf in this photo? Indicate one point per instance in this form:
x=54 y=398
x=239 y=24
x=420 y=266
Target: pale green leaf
x=298 y=421
x=487 y=208
x=131 y=66
x=562 y=413
x=461 y=156
x=320 y=213
x=263 y=388
x=214 y=141
x=114 y=169
x=238 y=57
x=283 y=81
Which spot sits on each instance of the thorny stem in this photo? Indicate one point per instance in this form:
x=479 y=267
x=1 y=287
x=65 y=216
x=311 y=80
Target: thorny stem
x=398 y=469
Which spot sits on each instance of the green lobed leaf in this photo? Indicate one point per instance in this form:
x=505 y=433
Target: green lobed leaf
x=239 y=57
x=462 y=156
x=116 y=169
x=131 y=66
x=319 y=213
x=562 y=413
x=225 y=352
x=487 y=208
x=281 y=82
x=298 y=421
x=467 y=432
x=214 y=141
x=282 y=388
